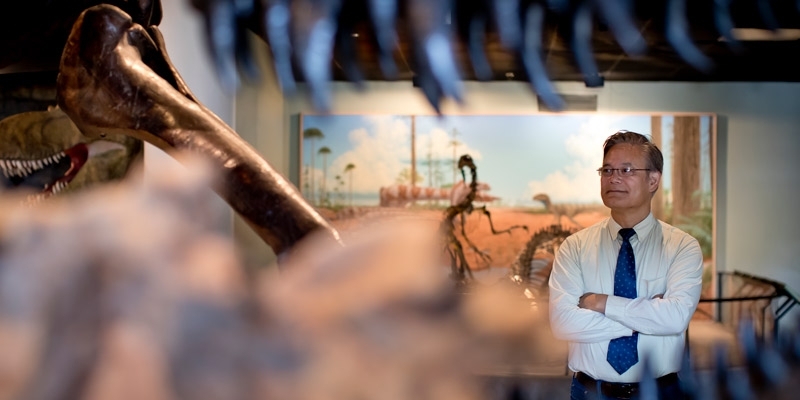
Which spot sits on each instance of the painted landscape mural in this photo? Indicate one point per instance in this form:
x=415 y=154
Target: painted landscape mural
x=533 y=170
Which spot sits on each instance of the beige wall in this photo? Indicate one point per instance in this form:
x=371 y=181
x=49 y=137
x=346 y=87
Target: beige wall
x=259 y=120
x=182 y=34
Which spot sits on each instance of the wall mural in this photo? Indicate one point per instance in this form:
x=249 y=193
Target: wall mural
x=537 y=170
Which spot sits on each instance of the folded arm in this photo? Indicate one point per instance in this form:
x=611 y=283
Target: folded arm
x=569 y=321
x=669 y=314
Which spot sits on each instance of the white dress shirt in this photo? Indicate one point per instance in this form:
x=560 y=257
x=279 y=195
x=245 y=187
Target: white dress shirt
x=669 y=262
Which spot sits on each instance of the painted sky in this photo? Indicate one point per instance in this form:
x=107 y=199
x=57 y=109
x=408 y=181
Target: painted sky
x=518 y=156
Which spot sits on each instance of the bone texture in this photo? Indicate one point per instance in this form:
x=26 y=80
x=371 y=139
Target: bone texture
x=123 y=82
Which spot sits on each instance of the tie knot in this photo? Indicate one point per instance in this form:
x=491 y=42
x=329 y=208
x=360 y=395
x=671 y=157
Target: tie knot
x=626 y=233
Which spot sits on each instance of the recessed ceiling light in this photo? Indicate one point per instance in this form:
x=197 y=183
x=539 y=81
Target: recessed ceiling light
x=763 y=35
x=355 y=34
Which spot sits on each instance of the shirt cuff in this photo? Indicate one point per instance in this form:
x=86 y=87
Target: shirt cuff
x=615 y=308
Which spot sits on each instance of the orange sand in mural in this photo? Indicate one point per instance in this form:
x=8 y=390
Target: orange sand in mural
x=502 y=248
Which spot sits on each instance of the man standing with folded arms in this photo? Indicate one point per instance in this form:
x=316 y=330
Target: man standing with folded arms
x=622 y=291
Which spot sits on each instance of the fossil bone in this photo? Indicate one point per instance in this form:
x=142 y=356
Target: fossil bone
x=121 y=81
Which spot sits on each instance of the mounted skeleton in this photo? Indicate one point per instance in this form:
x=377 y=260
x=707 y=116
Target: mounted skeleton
x=459 y=266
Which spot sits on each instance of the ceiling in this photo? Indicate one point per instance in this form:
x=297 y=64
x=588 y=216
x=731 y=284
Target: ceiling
x=755 y=61
x=32 y=34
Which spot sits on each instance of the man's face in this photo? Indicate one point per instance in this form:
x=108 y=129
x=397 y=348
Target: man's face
x=628 y=193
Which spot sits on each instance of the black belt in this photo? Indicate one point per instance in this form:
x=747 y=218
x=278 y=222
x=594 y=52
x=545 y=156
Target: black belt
x=621 y=390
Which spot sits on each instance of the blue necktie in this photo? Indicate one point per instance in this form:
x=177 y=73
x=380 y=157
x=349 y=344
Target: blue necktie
x=622 y=351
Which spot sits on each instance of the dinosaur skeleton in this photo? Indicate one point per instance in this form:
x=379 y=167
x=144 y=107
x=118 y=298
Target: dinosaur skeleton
x=459 y=266
x=567 y=210
x=401 y=195
x=122 y=82
x=546 y=240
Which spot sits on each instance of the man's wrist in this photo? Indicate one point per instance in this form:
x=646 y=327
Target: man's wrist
x=593 y=301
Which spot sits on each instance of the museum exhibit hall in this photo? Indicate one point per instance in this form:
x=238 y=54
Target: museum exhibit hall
x=319 y=199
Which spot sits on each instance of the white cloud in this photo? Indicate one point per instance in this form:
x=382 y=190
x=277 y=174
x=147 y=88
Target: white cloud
x=379 y=153
x=439 y=143
x=578 y=181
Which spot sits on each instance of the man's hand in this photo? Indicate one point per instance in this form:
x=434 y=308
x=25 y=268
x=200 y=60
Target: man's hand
x=594 y=302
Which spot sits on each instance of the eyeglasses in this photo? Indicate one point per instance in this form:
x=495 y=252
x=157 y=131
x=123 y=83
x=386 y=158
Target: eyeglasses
x=626 y=171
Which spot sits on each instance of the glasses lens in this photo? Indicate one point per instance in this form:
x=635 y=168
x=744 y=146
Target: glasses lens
x=627 y=171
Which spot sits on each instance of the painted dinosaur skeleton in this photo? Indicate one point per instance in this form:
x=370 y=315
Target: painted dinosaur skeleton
x=568 y=210
x=402 y=195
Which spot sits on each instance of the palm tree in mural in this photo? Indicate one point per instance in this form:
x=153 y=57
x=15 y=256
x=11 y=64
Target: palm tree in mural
x=306 y=186
x=338 y=191
x=313 y=135
x=454 y=143
x=324 y=151
x=348 y=169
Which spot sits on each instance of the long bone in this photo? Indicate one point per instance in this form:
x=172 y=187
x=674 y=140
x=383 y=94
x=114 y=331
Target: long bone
x=471 y=21
x=121 y=81
x=276 y=29
x=582 y=44
x=382 y=15
x=437 y=71
x=531 y=54
x=678 y=36
x=724 y=23
x=228 y=40
x=313 y=36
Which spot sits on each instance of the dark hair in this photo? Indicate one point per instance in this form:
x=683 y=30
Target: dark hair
x=655 y=160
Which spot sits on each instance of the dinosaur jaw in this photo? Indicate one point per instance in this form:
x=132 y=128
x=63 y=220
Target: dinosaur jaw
x=50 y=175
x=45 y=176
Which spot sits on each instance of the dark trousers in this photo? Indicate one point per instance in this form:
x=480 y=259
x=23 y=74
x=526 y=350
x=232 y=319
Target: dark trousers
x=579 y=391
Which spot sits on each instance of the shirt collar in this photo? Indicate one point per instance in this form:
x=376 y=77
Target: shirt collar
x=643 y=228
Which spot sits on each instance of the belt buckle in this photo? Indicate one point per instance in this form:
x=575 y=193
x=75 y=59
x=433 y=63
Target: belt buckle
x=619 y=390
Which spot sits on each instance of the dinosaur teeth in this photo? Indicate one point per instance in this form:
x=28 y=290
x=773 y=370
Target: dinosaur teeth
x=34 y=199
x=58 y=187
x=23 y=168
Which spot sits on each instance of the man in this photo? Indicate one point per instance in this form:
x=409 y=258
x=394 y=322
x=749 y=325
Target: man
x=623 y=303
